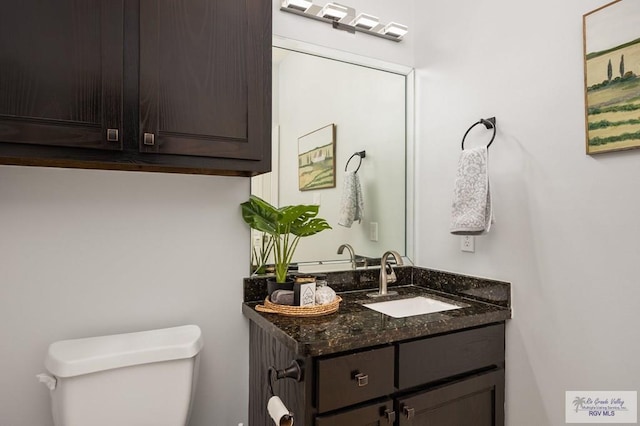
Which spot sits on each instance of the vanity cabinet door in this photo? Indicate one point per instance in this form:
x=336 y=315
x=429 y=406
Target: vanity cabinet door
x=475 y=401
x=61 y=75
x=205 y=81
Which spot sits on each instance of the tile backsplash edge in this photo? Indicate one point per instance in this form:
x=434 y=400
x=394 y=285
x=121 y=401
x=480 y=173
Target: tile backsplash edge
x=481 y=289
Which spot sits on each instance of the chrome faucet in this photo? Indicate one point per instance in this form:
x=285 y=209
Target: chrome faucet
x=352 y=254
x=387 y=275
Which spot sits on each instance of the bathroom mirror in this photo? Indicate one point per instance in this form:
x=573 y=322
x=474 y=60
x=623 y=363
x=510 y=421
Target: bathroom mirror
x=368 y=104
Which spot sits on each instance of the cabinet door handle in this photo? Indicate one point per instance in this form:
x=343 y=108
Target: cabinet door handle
x=112 y=135
x=362 y=379
x=409 y=412
x=390 y=415
x=149 y=139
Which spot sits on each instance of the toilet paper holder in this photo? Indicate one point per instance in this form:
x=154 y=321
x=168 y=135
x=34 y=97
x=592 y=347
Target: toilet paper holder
x=275 y=407
x=295 y=370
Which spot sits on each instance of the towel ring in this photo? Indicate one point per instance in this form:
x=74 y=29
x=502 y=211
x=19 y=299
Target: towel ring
x=489 y=123
x=360 y=155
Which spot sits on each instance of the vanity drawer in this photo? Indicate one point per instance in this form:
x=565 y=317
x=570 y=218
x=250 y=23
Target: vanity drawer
x=427 y=360
x=354 y=378
x=380 y=413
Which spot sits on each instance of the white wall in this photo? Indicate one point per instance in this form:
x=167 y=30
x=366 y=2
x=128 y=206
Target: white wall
x=567 y=229
x=89 y=252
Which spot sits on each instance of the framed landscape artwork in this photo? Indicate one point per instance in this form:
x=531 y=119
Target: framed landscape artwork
x=316 y=159
x=612 y=76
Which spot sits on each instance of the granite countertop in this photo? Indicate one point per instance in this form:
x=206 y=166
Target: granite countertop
x=355 y=326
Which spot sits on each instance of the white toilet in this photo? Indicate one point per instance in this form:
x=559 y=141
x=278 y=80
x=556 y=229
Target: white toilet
x=135 y=379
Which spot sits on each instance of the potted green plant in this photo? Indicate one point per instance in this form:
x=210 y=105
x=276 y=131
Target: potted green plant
x=286 y=225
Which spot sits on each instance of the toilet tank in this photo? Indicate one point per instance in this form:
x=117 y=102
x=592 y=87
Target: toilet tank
x=136 y=379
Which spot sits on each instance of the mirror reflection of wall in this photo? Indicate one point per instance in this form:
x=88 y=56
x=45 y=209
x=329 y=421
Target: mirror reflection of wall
x=368 y=108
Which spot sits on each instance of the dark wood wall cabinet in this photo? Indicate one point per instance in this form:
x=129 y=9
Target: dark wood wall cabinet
x=174 y=86
x=454 y=379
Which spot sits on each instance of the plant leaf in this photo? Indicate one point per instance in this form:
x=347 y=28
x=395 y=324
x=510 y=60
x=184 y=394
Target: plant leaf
x=291 y=214
x=309 y=227
x=260 y=215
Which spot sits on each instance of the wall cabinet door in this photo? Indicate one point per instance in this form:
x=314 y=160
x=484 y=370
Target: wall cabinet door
x=475 y=401
x=205 y=78
x=61 y=73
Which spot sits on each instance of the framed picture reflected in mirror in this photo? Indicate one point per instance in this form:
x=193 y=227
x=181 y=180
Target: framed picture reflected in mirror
x=316 y=159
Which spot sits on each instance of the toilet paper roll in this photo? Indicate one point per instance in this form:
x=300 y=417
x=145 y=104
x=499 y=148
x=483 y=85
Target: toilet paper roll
x=278 y=412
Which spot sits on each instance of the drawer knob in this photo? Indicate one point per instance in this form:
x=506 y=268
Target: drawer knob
x=409 y=412
x=390 y=415
x=362 y=379
x=149 y=139
x=112 y=135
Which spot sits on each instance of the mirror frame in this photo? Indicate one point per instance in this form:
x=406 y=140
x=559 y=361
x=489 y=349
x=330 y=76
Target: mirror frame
x=409 y=74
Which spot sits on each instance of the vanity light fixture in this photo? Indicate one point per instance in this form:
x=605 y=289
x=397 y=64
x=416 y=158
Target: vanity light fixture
x=395 y=30
x=334 y=11
x=301 y=5
x=365 y=21
x=345 y=18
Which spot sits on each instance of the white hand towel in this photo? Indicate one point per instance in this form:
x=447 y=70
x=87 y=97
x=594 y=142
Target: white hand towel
x=471 y=211
x=352 y=203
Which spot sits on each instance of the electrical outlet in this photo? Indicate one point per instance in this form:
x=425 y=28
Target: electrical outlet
x=373 y=231
x=468 y=243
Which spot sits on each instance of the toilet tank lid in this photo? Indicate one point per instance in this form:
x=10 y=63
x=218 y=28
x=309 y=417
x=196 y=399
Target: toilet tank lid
x=68 y=358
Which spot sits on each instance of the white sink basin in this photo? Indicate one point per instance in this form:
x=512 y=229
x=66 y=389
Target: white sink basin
x=402 y=308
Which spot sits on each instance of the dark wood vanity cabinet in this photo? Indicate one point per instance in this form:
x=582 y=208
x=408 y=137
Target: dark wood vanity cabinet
x=453 y=379
x=175 y=86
